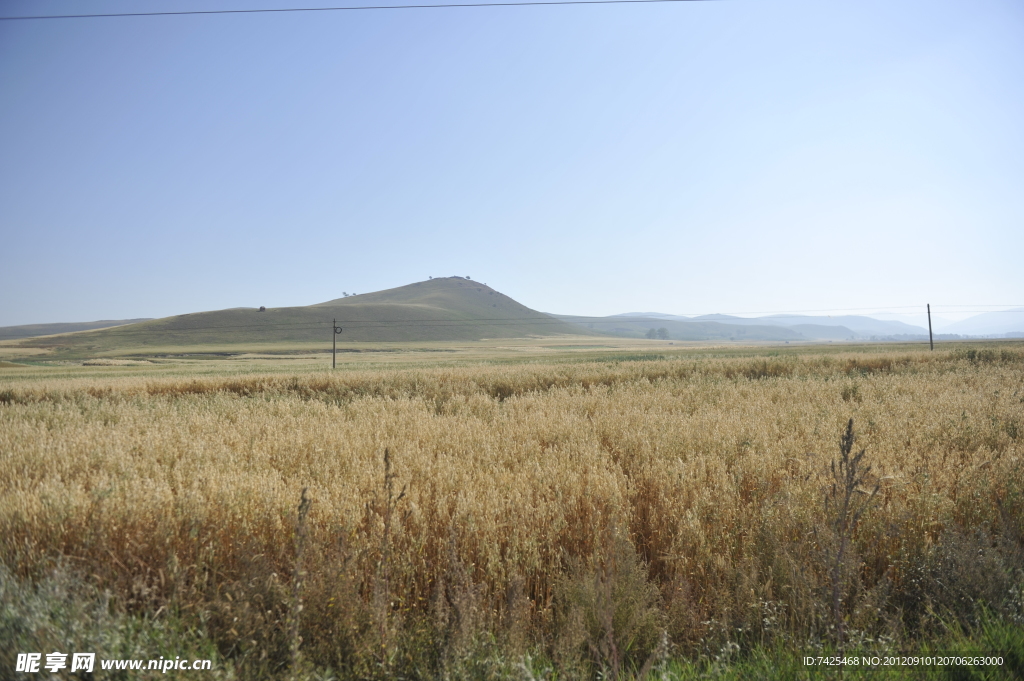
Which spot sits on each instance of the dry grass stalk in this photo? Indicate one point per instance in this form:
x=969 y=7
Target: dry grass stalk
x=844 y=507
x=298 y=577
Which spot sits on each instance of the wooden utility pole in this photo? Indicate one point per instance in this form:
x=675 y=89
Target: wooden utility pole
x=334 y=344
x=931 y=341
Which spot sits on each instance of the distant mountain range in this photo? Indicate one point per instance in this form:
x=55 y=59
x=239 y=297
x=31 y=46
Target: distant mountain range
x=460 y=309
x=1008 y=323
x=989 y=323
x=862 y=327
x=638 y=326
x=810 y=327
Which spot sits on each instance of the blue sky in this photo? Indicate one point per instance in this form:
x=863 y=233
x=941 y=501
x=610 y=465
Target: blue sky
x=738 y=156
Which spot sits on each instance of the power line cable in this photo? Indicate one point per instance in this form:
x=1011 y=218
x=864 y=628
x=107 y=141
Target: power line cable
x=609 y=318
x=355 y=324
x=339 y=9
x=543 y=318
x=133 y=329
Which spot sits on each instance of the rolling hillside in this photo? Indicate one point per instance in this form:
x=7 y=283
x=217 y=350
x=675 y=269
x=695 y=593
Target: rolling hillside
x=446 y=309
x=33 y=330
x=443 y=309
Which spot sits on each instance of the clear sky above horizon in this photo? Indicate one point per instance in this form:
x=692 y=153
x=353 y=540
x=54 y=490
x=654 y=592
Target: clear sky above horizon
x=738 y=156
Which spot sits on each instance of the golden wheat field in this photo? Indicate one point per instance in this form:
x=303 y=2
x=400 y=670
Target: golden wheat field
x=601 y=515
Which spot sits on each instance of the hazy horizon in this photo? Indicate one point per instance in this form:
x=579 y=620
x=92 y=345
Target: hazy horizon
x=725 y=157
x=939 y=321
